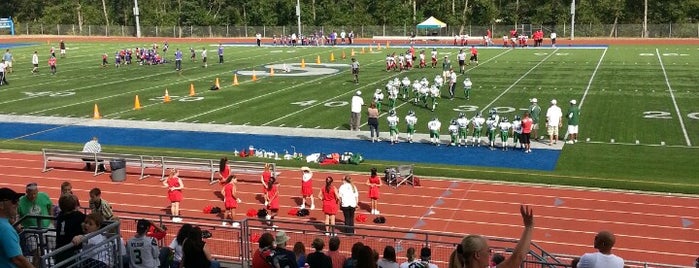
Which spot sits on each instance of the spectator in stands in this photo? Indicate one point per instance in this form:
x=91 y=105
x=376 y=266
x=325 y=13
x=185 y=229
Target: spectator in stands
x=473 y=251
x=195 y=253
x=93 y=146
x=389 y=258
x=283 y=258
x=300 y=253
x=100 y=206
x=142 y=250
x=176 y=244
x=67 y=188
x=412 y=260
x=318 y=259
x=426 y=257
x=604 y=242
x=497 y=259
x=35 y=203
x=337 y=257
x=696 y=263
x=99 y=257
x=11 y=252
x=574 y=262
x=69 y=223
x=365 y=257
x=349 y=198
x=352 y=261
x=330 y=197
x=259 y=257
x=174 y=186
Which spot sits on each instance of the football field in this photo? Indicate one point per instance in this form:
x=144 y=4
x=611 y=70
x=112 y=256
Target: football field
x=639 y=104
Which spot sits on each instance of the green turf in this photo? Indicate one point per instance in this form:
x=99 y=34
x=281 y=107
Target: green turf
x=627 y=100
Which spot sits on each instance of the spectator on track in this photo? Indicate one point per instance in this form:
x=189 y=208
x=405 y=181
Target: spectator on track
x=473 y=251
x=93 y=146
x=604 y=242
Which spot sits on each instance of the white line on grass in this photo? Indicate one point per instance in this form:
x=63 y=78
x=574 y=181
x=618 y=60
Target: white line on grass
x=589 y=83
x=520 y=79
x=672 y=95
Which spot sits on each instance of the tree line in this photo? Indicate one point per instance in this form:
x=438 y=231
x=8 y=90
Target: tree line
x=348 y=12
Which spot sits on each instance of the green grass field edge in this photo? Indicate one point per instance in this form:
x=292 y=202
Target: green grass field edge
x=501 y=175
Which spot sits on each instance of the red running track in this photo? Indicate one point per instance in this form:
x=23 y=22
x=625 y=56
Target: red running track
x=649 y=227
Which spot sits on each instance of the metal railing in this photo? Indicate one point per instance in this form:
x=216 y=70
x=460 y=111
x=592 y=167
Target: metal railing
x=670 y=30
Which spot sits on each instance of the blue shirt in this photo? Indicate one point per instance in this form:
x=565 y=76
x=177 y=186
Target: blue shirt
x=178 y=55
x=220 y=50
x=9 y=244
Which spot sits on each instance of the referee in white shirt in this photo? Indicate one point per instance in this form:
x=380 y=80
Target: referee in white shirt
x=92 y=146
x=349 y=197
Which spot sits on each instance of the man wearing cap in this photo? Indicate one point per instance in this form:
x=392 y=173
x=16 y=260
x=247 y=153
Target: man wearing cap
x=554 y=120
x=35 y=203
x=534 y=111
x=356 y=109
x=604 y=241
x=573 y=120
x=143 y=250
x=10 y=250
x=283 y=258
x=425 y=256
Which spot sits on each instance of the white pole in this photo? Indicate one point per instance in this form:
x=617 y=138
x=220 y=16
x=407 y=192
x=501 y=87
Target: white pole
x=298 y=15
x=572 y=20
x=645 y=19
x=136 y=14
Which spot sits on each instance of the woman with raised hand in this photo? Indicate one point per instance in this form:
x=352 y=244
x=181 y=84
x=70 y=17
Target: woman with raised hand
x=473 y=251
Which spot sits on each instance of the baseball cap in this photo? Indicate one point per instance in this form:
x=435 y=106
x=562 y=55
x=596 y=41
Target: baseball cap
x=533 y=100
x=306 y=169
x=359 y=92
x=573 y=102
x=281 y=237
x=7 y=194
x=553 y=101
x=425 y=253
x=142 y=226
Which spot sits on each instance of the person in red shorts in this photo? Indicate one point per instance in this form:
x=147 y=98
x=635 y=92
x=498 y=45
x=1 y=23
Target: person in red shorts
x=272 y=199
x=224 y=170
x=307 y=187
x=230 y=202
x=374 y=182
x=329 y=196
x=264 y=179
x=174 y=186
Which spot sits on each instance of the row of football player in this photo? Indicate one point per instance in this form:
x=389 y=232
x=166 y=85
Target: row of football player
x=459 y=129
x=422 y=92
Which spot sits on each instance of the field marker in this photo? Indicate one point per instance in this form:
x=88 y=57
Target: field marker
x=281 y=125
x=515 y=83
x=589 y=83
x=672 y=95
x=299 y=126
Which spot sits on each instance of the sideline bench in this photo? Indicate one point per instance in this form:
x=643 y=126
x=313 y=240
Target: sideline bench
x=56 y=155
x=426 y=39
x=210 y=166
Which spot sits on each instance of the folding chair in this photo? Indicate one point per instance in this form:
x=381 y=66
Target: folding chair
x=405 y=175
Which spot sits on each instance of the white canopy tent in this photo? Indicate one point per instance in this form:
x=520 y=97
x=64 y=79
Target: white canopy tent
x=431 y=24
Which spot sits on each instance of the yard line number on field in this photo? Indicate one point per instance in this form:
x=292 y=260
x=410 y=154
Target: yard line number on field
x=672 y=95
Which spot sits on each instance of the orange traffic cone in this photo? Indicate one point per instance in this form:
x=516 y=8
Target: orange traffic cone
x=191 y=90
x=217 y=84
x=378 y=46
x=352 y=53
x=96 y=113
x=388 y=43
x=303 y=63
x=235 y=79
x=137 y=104
x=371 y=49
x=318 y=59
x=254 y=77
x=271 y=71
x=363 y=50
x=332 y=56
x=166 y=98
x=343 y=55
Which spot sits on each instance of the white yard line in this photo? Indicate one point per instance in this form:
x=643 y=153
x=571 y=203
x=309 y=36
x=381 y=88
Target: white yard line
x=589 y=83
x=520 y=79
x=672 y=95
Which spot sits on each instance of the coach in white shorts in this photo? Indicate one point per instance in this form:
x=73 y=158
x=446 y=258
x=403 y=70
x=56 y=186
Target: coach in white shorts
x=554 y=117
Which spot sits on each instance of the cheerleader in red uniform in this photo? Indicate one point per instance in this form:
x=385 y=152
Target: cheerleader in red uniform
x=374 y=182
x=174 y=187
x=329 y=196
x=230 y=202
x=272 y=199
x=307 y=187
x=264 y=179
x=224 y=170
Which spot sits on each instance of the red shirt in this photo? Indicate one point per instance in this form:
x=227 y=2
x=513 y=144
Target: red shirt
x=527 y=125
x=52 y=62
x=474 y=51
